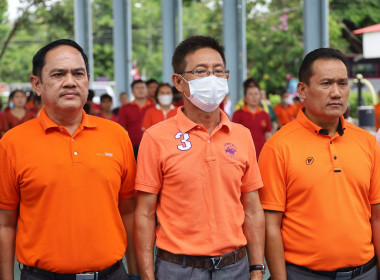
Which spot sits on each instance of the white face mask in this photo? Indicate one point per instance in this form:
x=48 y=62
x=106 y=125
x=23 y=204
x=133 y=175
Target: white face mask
x=165 y=99
x=207 y=93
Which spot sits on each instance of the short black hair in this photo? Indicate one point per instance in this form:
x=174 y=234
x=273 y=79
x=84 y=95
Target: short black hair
x=39 y=57
x=151 y=81
x=306 y=69
x=158 y=89
x=250 y=82
x=91 y=95
x=137 y=82
x=190 y=45
x=105 y=96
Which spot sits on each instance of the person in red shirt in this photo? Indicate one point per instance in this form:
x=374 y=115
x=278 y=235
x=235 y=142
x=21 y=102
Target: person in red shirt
x=105 y=108
x=131 y=115
x=163 y=109
x=152 y=86
x=254 y=118
x=17 y=113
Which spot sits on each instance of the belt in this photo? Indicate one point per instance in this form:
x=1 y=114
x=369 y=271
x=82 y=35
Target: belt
x=93 y=275
x=347 y=271
x=206 y=262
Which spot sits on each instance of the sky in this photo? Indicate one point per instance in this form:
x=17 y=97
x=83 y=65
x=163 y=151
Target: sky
x=12 y=9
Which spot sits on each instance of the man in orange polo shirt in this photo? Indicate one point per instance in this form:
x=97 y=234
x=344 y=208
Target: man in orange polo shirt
x=131 y=115
x=198 y=172
x=284 y=111
x=322 y=183
x=70 y=190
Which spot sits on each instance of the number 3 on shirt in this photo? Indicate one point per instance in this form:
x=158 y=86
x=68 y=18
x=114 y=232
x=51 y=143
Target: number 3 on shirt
x=186 y=145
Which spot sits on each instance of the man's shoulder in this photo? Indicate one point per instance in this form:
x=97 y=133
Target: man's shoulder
x=360 y=132
x=287 y=134
x=24 y=129
x=105 y=124
x=163 y=127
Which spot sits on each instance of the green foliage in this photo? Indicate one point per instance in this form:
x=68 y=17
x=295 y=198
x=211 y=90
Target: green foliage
x=353 y=102
x=274 y=34
x=274 y=41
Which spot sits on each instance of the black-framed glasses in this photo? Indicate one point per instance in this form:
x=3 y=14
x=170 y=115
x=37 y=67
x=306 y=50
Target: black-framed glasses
x=201 y=73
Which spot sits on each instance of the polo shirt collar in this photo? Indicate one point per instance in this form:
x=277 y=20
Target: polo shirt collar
x=309 y=125
x=47 y=123
x=185 y=124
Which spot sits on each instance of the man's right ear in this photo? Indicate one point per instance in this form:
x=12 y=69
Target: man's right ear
x=36 y=84
x=178 y=82
x=301 y=89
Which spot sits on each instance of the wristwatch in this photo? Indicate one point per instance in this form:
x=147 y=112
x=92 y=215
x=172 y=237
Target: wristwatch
x=259 y=267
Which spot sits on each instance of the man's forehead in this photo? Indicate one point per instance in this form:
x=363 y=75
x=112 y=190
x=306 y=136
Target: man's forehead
x=327 y=66
x=63 y=54
x=204 y=56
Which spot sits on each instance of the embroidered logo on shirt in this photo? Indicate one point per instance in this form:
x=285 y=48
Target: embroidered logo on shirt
x=105 y=154
x=184 y=137
x=309 y=160
x=230 y=150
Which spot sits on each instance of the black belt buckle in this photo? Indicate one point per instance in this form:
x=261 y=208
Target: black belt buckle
x=87 y=276
x=216 y=261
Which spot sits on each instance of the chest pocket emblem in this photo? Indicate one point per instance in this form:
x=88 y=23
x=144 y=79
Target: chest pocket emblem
x=184 y=137
x=309 y=160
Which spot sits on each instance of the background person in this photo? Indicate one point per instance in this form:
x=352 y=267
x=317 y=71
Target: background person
x=123 y=99
x=70 y=193
x=284 y=111
x=322 y=183
x=253 y=118
x=17 y=114
x=152 y=85
x=105 y=108
x=132 y=115
x=163 y=109
x=203 y=169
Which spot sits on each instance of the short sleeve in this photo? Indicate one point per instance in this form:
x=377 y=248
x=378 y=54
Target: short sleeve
x=149 y=171
x=9 y=188
x=252 y=179
x=374 y=192
x=127 y=189
x=272 y=168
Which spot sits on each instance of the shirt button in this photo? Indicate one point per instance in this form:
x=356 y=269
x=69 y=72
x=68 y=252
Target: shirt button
x=72 y=139
x=208 y=141
x=75 y=153
x=335 y=157
x=198 y=127
x=330 y=142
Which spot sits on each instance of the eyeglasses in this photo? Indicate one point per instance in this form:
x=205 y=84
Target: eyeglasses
x=202 y=72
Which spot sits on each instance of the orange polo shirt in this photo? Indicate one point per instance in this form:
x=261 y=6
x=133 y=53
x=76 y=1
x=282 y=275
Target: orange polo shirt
x=199 y=179
x=377 y=116
x=285 y=115
x=155 y=115
x=67 y=188
x=325 y=187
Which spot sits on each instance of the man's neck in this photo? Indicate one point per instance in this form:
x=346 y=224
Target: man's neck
x=330 y=125
x=69 y=120
x=207 y=120
x=141 y=102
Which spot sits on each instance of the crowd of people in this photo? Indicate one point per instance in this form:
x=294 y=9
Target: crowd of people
x=295 y=183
